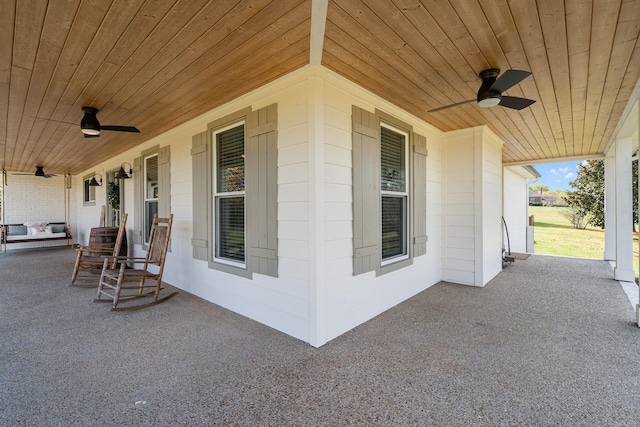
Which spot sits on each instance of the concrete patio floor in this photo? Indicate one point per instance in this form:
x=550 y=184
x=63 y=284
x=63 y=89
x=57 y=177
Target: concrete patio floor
x=550 y=341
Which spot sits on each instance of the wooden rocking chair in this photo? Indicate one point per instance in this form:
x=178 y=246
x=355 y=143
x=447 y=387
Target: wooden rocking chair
x=126 y=283
x=90 y=258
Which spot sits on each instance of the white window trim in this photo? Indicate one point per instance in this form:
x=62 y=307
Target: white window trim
x=90 y=201
x=227 y=194
x=146 y=226
x=114 y=215
x=403 y=194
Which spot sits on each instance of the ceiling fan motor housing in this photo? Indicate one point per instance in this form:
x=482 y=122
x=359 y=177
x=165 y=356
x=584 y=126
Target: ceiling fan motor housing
x=486 y=96
x=89 y=123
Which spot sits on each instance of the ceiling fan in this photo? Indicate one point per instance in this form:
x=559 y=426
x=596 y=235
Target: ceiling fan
x=490 y=92
x=39 y=173
x=91 y=127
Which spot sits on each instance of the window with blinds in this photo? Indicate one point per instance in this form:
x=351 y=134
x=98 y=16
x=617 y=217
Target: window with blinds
x=229 y=194
x=394 y=194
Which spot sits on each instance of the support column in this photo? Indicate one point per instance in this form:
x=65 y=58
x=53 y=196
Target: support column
x=610 y=206
x=637 y=147
x=624 y=211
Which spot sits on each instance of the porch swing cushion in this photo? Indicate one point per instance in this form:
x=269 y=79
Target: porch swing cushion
x=41 y=236
x=16 y=230
x=57 y=228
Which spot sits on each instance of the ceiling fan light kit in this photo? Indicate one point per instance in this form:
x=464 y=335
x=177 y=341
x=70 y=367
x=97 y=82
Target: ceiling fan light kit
x=489 y=102
x=490 y=92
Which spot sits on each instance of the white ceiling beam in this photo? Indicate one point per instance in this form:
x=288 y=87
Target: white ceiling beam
x=628 y=123
x=555 y=160
x=318 y=24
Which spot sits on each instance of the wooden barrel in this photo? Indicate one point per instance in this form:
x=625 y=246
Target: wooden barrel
x=105 y=239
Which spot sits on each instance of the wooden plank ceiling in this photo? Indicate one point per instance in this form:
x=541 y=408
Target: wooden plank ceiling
x=584 y=56
x=156 y=64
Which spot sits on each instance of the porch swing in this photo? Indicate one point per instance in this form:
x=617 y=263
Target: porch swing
x=34 y=231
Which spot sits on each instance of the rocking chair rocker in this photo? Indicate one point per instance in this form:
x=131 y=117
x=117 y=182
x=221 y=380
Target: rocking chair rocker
x=126 y=283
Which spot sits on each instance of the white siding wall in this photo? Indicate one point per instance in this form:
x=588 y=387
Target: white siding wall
x=88 y=216
x=515 y=210
x=492 y=206
x=460 y=218
x=352 y=300
x=282 y=302
x=473 y=240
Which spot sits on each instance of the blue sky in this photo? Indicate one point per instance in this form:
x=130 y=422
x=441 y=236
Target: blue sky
x=557 y=176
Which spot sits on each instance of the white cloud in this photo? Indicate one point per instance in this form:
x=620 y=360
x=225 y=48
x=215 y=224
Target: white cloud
x=562 y=174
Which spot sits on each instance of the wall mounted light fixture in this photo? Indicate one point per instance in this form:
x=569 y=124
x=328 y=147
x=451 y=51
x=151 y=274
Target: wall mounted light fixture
x=122 y=174
x=94 y=183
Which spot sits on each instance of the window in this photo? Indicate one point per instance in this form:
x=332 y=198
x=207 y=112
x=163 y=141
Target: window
x=89 y=193
x=394 y=194
x=234 y=164
x=152 y=190
x=150 y=175
x=115 y=199
x=389 y=193
x=229 y=194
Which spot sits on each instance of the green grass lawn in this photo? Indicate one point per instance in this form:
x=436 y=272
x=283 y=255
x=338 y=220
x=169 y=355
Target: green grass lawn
x=554 y=235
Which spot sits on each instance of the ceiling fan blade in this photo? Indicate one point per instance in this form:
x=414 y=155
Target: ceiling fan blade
x=46 y=175
x=515 y=103
x=509 y=79
x=57 y=121
x=451 y=105
x=120 y=128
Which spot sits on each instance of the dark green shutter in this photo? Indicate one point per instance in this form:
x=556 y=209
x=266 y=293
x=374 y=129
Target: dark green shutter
x=164 y=181
x=261 y=191
x=366 y=191
x=419 y=196
x=138 y=196
x=199 y=168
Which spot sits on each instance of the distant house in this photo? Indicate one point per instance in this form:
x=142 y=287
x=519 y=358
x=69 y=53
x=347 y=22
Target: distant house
x=535 y=199
x=550 y=200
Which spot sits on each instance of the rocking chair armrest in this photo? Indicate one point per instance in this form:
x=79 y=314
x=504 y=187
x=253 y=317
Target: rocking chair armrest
x=94 y=249
x=112 y=261
x=127 y=260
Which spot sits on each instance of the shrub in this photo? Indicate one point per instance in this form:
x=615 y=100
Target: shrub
x=576 y=217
